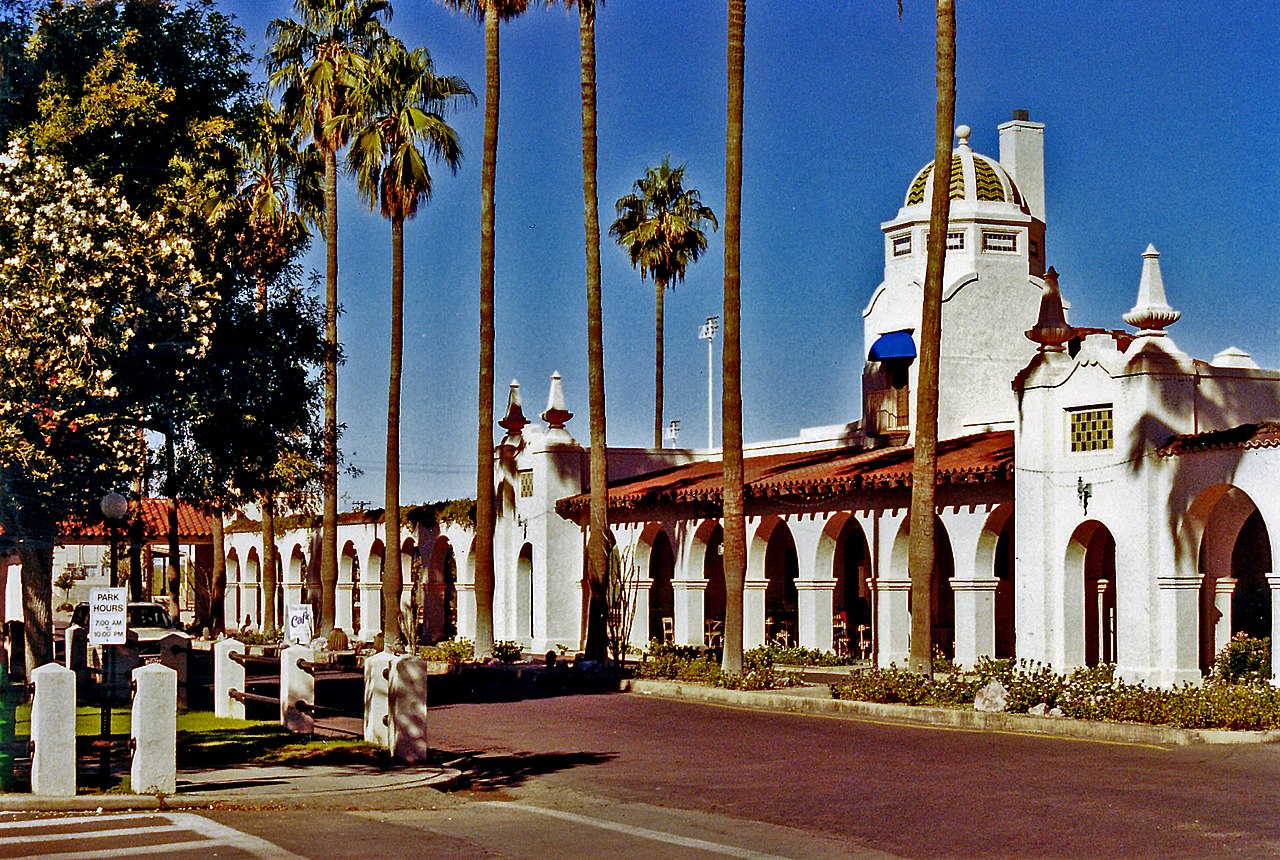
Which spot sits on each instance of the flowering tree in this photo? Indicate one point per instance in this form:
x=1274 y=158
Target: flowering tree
x=94 y=301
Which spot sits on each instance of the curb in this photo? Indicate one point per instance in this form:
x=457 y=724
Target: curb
x=445 y=779
x=1061 y=727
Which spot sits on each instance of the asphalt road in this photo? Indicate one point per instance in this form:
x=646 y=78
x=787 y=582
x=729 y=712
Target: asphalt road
x=908 y=791
x=632 y=776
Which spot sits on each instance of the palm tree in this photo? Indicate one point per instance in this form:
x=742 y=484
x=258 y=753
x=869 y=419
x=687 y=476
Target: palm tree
x=397 y=108
x=733 y=498
x=924 y=470
x=491 y=12
x=660 y=224
x=281 y=195
x=314 y=61
x=596 y=646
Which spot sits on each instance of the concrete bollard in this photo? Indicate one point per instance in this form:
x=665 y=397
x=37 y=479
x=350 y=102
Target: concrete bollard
x=53 y=731
x=377 y=671
x=407 y=706
x=77 y=639
x=155 y=730
x=174 y=649
x=228 y=675
x=296 y=685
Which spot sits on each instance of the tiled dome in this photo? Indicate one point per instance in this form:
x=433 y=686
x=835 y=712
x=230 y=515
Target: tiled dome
x=973 y=177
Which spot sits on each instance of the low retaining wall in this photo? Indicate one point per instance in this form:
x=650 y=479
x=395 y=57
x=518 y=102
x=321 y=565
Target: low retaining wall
x=958 y=718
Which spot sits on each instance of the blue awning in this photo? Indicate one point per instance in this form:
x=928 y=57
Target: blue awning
x=894 y=345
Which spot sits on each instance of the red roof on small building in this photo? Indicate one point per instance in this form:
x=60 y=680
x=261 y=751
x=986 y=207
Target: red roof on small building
x=194 y=526
x=828 y=472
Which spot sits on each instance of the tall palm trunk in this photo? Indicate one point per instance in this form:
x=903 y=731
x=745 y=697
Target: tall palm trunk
x=597 y=543
x=484 y=441
x=329 y=475
x=734 y=503
x=218 y=577
x=392 y=573
x=924 y=471
x=659 y=298
x=270 y=581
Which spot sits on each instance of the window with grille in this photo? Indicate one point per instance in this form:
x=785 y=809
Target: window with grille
x=955 y=240
x=901 y=245
x=1092 y=429
x=526 y=483
x=999 y=241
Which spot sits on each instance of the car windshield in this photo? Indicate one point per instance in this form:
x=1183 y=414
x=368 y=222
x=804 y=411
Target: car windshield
x=148 y=616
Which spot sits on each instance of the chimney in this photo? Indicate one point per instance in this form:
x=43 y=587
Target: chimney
x=1022 y=154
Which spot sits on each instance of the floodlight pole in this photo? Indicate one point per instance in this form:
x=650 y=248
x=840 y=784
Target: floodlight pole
x=708 y=333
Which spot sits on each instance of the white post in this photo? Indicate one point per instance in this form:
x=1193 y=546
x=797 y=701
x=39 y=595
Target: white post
x=1104 y=625
x=228 y=675
x=296 y=685
x=174 y=651
x=53 y=731
x=377 y=675
x=154 y=731
x=407 y=709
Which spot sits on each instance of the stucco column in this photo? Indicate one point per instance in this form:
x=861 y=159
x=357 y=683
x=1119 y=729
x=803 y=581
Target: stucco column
x=1274 y=582
x=893 y=622
x=753 y=612
x=688 y=595
x=342 y=607
x=1223 y=590
x=292 y=594
x=371 y=609
x=638 y=635
x=249 y=604
x=1180 y=628
x=1104 y=624
x=975 y=602
x=466 y=597
x=814 y=601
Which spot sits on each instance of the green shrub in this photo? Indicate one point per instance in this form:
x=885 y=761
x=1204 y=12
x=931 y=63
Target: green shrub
x=887 y=686
x=1243 y=660
x=450 y=651
x=688 y=663
x=798 y=656
x=507 y=651
x=270 y=636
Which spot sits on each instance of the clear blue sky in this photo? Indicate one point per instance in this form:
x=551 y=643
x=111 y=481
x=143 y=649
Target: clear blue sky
x=1161 y=128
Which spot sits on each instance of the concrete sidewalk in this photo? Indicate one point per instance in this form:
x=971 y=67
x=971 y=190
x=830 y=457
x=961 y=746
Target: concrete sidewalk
x=817 y=701
x=248 y=783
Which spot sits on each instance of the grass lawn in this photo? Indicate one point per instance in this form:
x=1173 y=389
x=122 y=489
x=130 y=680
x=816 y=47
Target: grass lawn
x=206 y=741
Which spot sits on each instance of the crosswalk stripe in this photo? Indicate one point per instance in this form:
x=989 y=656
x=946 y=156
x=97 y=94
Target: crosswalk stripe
x=211 y=835
x=90 y=834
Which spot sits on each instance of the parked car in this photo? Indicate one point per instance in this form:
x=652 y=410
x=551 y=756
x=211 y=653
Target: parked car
x=148 y=623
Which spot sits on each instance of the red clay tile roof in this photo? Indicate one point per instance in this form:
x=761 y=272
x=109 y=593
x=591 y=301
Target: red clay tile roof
x=193 y=525
x=829 y=472
x=1263 y=435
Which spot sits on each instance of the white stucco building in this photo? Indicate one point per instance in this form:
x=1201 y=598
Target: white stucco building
x=1103 y=497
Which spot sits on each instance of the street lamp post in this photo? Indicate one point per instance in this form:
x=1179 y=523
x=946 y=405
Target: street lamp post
x=114 y=509
x=708 y=333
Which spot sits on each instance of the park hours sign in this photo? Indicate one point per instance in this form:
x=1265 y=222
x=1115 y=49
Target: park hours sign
x=108 y=616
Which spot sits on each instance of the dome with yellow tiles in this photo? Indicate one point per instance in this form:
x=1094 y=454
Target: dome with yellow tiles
x=974 y=177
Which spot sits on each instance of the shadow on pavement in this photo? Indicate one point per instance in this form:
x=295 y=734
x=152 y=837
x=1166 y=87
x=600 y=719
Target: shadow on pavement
x=488 y=772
